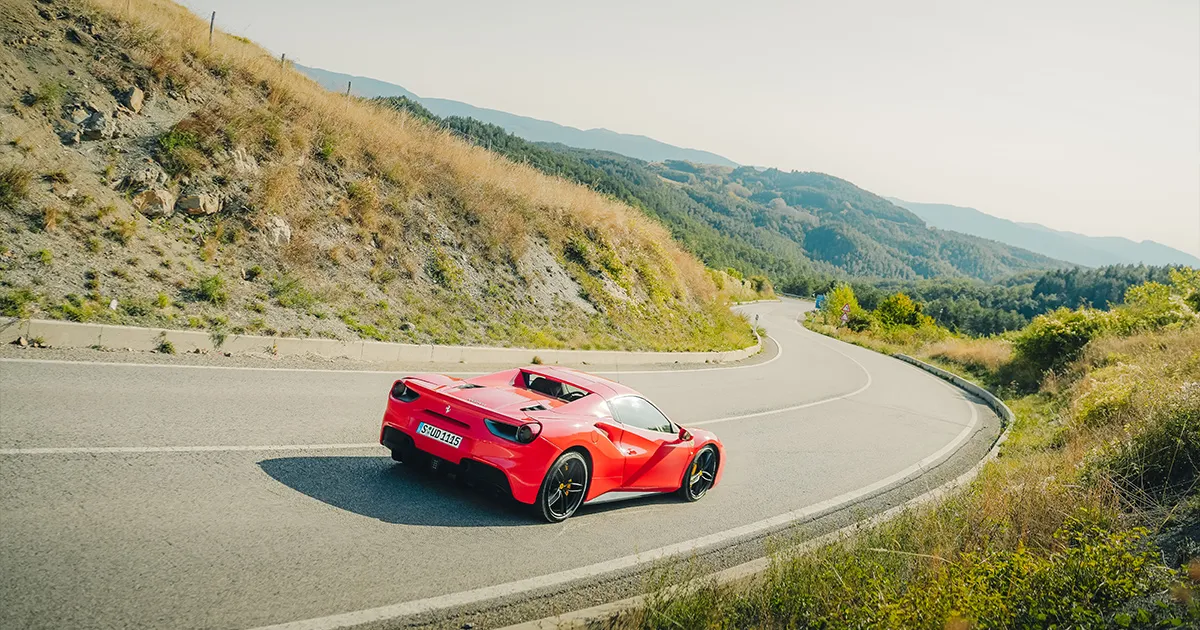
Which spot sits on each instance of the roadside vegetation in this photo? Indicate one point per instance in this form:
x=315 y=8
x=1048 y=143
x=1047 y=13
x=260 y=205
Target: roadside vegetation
x=258 y=202
x=1090 y=517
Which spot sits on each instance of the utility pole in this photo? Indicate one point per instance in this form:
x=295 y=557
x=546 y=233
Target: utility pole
x=348 y=83
x=211 y=22
x=283 y=59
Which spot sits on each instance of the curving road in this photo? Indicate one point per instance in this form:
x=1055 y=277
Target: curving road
x=165 y=497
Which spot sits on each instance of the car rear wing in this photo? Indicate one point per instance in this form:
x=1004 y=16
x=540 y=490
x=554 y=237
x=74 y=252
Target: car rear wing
x=425 y=397
x=424 y=401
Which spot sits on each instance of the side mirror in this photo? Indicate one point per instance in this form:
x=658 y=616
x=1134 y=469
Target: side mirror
x=684 y=435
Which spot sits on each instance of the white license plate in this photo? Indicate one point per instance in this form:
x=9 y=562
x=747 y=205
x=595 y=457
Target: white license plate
x=441 y=435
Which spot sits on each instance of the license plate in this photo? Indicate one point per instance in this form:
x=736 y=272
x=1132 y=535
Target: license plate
x=441 y=435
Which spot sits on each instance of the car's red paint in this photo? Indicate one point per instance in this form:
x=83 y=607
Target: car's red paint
x=622 y=456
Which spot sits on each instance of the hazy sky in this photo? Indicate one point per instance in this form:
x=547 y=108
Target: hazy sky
x=1083 y=116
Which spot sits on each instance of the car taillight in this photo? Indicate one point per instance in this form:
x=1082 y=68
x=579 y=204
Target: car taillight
x=527 y=432
x=521 y=434
x=402 y=392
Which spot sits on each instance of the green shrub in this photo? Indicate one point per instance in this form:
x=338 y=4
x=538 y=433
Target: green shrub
x=1053 y=340
x=1158 y=456
x=212 y=289
x=860 y=321
x=836 y=300
x=14 y=186
x=137 y=307
x=179 y=152
x=49 y=95
x=1148 y=306
x=16 y=303
x=290 y=292
x=444 y=270
x=1193 y=301
x=898 y=310
x=1107 y=395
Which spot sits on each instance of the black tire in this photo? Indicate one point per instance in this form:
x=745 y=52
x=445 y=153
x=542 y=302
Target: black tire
x=700 y=474
x=564 y=488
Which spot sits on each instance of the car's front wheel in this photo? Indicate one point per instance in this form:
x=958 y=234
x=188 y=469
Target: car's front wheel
x=564 y=487
x=701 y=474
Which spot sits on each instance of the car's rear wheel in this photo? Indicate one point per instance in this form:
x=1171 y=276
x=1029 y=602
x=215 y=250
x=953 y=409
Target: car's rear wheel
x=700 y=474
x=564 y=487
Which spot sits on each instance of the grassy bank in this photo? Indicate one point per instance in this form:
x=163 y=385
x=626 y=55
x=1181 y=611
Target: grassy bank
x=1089 y=519
x=231 y=193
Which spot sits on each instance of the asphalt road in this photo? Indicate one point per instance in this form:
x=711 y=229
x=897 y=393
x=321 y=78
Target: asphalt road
x=166 y=497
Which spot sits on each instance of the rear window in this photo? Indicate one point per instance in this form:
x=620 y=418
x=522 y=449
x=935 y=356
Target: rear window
x=552 y=388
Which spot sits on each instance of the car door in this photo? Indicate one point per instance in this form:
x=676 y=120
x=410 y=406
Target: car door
x=654 y=455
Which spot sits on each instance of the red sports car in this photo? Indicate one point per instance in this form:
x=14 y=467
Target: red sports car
x=551 y=437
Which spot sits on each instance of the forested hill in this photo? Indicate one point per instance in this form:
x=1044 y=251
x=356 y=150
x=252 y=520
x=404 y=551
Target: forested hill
x=978 y=308
x=800 y=229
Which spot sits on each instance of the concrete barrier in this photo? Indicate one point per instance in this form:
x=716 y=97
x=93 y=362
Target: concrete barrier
x=79 y=335
x=987 y=397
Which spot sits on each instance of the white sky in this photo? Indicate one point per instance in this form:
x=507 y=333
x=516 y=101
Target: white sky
x=1080 y=115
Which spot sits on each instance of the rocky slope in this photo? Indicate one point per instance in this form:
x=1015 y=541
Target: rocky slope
x=148 y=177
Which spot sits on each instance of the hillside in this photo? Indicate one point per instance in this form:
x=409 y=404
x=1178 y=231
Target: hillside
x=1093 y=251
x=640 y=147
x=150 y=178
x=800 y=229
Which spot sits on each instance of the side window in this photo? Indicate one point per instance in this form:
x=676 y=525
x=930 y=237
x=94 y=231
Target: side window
x=638 y=412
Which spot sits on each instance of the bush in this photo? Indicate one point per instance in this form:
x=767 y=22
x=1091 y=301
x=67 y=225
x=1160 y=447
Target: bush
x=14 y=186
x=837 y=298
x=1158 y=456
x=179 y=152
x=211 y=289
x=289 y=292
x=16 y=303
x=1193 y=301
x=1055 y=339
x=898 y=310
x=1107 y=395
x=860 y=321
x=1148 y=306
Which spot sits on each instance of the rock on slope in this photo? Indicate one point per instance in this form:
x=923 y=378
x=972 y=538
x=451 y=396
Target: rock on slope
x=212 y=187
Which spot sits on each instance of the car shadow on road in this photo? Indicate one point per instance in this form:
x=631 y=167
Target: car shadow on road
x=379 y=488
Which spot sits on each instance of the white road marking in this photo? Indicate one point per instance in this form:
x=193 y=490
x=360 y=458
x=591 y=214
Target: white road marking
x=769 y=412
x=667 y=370
x=100 y=450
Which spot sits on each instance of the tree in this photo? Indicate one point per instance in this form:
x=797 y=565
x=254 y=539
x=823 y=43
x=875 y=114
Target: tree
x=898 y=310
x=836 y=300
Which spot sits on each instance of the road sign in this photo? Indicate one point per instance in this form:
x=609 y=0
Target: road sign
x=846 y=309
x=845 y=318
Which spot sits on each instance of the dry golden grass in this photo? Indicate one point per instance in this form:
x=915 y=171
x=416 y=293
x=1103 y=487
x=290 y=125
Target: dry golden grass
x=392 y=161
x=465 y=245
x=986 y=354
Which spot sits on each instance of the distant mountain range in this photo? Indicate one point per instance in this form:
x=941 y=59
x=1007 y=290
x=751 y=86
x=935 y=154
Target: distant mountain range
x=639 y=147
x=1093 y=251
x=799 y=229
